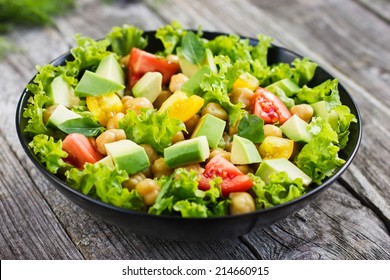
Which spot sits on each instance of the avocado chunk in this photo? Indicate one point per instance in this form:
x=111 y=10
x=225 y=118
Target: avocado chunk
x=244 y=151
x=320 y=109
x=284 y=89
x=211 y=127
x=192 y=86
x=60 y=115
x=270 y=166
x=128 y=156
x=92 y=84
x=62 y=93
x=296 y=129
x=149 y=86
x=187 y=152
x=107 y=161
x=110 y=69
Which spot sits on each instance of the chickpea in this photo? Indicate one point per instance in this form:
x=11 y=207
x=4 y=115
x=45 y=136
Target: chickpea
x=243 y=95
x=179 y=136
x=191 y=123
x=161 y=98
x=148 y=172
x=124 y=61
x=177 y=81
x=113 y=123
x=216 y=110
x=226 y=140
x=109 y=136
x=47 y=113
x=304 y=111
x=195 y=166
x=149 y=190
x=245 y=168
x=160 y=168
x=219 y=152
x=126 y=98
x=272 y=130
x=233 y=130
x=133 y=180
x=173 y=58
x=151 y=153
x=241 y=202
x=137 y=104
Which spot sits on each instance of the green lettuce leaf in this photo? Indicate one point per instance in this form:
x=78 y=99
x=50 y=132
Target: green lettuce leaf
x=344 y=120
x=260 y=51
x=216 y=87
x=303 y=70
x=105 y=183
x=327 y=91
x=123 y=39
x=150 y=127
x=231 y=46
x=170 y=36
x=87 y=54
x=319 y=158
x=192 y=48
x=48 y=152
x=279 y=190
x=180 y=195
x=34 y=113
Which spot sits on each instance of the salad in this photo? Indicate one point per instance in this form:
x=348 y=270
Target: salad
x=201 y=128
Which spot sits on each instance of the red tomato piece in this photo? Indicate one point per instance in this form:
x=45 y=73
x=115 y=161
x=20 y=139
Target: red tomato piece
x=269 y=107
x=80 y=150
x=233 y=180
x=141 y=62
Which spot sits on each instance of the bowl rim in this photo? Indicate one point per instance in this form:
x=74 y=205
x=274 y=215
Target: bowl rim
x=52 y=177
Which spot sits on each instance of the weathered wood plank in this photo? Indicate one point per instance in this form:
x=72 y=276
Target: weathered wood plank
x=326 y=230
x=28 y=228
x=379 y=7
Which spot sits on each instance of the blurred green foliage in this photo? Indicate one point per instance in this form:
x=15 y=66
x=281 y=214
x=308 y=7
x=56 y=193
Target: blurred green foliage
x=31 y=12
x=28 y=13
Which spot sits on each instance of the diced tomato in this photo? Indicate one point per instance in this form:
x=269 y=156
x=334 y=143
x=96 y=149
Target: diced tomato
x=80 y=150
x=233 y=180
x=141 y=62
x=269 y=107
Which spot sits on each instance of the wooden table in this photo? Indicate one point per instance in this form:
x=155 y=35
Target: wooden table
x=350 y=38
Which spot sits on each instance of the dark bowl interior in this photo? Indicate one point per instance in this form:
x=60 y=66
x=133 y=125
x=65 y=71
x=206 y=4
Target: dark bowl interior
x=178 y=228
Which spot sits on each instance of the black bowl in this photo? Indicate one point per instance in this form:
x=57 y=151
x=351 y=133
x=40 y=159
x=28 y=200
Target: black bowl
x=178 y=228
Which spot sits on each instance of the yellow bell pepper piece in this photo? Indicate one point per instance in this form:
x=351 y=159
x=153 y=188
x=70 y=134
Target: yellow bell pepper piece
x=104 y=107
x=246 y=80
x=182 y=107
x=276 y=147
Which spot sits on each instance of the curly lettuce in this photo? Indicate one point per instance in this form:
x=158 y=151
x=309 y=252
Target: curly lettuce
x=319 y=158
x=123 y=39
x=180 y=196
x=101 y=181
x=216 y=87
x=170 y=36
x=49 y=152
x=151 y=127
x=279 y=190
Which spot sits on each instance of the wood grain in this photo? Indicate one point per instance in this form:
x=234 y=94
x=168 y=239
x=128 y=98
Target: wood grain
x=350 y=221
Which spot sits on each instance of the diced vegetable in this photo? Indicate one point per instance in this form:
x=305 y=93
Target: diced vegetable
x=80 y=150
x=233 y=180
x=141 y=62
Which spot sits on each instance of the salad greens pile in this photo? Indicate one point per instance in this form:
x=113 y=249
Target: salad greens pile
x=179 y=192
